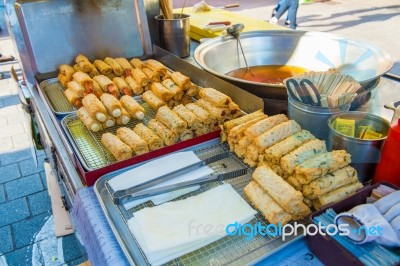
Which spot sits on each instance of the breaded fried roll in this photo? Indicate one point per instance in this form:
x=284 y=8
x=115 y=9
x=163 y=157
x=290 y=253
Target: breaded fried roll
x=135 y=87
x=116 y=68
x=181 y=80
x=97 y=90
x=189 y=117
x=236 y=133
x=136 y=63
x=337 y=194
x=201 y=114
x=78 y=89
x=95 y=107
x=84 y=63
x=122 y=86
x=136 y=143
x=172 y=103
x=215 y=97
x=193 y=90
x=88 y=121
x=215 y=112
x=227 y=126
x=124 y=64
x=84 y=80
x=103 y=67
x=112 y=104
x=156 y=67
x=153 y=76
x=175 y=89
x=119 y=149
x=140 y=77
x=132 y=107
x=153 y=141
x=107 y=85
x=185 y=135
x=171 y=120
x=93 y=71
x=234 y=110
x=151 y=99
x=63 y=79
x=163 y=132
x=161 y=92
x=124 y=118
x=186 y=99
x=73 y=98
x=66 y=70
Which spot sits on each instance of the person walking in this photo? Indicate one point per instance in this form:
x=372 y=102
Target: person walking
x=287 y=5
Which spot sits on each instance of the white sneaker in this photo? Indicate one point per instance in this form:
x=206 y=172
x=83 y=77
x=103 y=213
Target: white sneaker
x=273 y=20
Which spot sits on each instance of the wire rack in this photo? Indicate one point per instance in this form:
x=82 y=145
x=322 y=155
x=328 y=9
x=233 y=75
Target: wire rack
x=229 y=249
x=54 y=94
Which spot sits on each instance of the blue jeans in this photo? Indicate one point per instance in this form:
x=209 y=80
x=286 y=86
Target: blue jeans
x=292 y=6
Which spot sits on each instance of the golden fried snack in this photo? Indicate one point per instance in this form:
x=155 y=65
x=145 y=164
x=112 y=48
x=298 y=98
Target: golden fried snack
x=124 y=64
x=132 y=107
x=201 y=114
x=151 y=99
x=75 y=87
x=157 y=67
x=337 y=194
x=103 y=67
x=107 y=85
x=111 y=76
x=215 y=112
x=227 y=126
x=122 y=86
x=175 y=89
x=163 y=132
x=110 y=121
x=265 y=204
x=161 y=92
x=186 y=99
x=294 y=183
x=136 y=143
x=215 y=97
x=112 y=104
x=153 y=141
x=234 y=111
x=135 y=87
x=93 y=71
x=320 y=165
x=153 y=76
x=66 y=70
x=236 y=133
x=95 y=107
x=88 y=121
x=185 y=135
x=189 y=117
x=181 y=80
x=83 y=63
x=136 y=63
x=193 y=90
x=140 y=77
x=63 y=79
x=84 y=80
x=116 y=68
x=73 y=98
x=171 y=120
x=124 y=118
x=119 y=149
x=172 y=103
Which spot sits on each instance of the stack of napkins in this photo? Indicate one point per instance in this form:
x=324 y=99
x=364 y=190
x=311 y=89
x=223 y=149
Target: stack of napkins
x=173 y=229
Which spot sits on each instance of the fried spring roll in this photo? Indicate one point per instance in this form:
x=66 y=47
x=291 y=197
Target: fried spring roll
x=107 y=85
x=84 y=63
x=172 y=103
x=95 y=107
x=171 y=120
x=234 y=110
x=185 y=135
x=135 y=87
x=136 y=143
x=215 y=112
x=97 y=90
x=73 y=98
x=123 y=87
x=193 y=90
x=77 y=68
x=338 y=194
x=63 y=79
x=181 y=80
x=124 y=64
x=175 y=89
x=236 y=133
x=112 y=104
x=88 y=121
x=215 y=97
x=66 y=70
x=227 y=126
x=163 y=132
x=93 y=71
x=161 y=92
x=132 y=107
x=186 y=99
x=110 y=121
x=103 y=67
x=156 y=67
x=151 y=99
x=124 y=118
x=149 y=136
x=119 y=149
x=153 y=76
x=189 y=117
x=140 y=77
x=201 y=114
x=78 y=89
x=116 y=68
x=136 y=63
x=84 y=80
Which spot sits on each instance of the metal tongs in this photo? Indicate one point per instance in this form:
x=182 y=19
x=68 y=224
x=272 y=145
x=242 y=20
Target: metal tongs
x=235 y=31
x=136 y=192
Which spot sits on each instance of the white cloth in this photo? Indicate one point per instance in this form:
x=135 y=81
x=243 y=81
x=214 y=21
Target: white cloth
x=176 y=228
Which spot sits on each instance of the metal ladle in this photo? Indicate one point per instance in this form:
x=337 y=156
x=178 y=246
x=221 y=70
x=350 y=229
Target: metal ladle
x=235 y=31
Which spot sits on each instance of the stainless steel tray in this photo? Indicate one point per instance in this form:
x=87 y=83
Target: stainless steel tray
x=53 y=93
x=230 y=250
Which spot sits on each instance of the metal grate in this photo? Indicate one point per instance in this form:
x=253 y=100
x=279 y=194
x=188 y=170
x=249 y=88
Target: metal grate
x=54 y=92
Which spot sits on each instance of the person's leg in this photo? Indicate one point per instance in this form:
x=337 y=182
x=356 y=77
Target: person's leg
x=275 y=10
x=292 y=13
x=283 y=7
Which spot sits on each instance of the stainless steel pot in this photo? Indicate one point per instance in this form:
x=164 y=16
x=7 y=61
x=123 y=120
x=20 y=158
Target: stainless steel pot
x=311 y=50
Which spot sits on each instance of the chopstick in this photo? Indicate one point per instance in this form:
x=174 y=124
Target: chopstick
x=166 y=9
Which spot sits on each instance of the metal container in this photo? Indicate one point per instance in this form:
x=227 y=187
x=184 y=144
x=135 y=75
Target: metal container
x=174 y=34
x=311 y=50
x=365 y=154
x=313 y=118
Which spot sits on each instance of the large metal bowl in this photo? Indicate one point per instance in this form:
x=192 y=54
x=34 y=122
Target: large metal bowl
x=311 y=50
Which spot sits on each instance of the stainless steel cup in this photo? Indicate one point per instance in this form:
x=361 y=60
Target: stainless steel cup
x=365 y=154
x=174 y=34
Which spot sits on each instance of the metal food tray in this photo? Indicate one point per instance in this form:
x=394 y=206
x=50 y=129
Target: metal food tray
x=53 y=93
x=230 y=250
